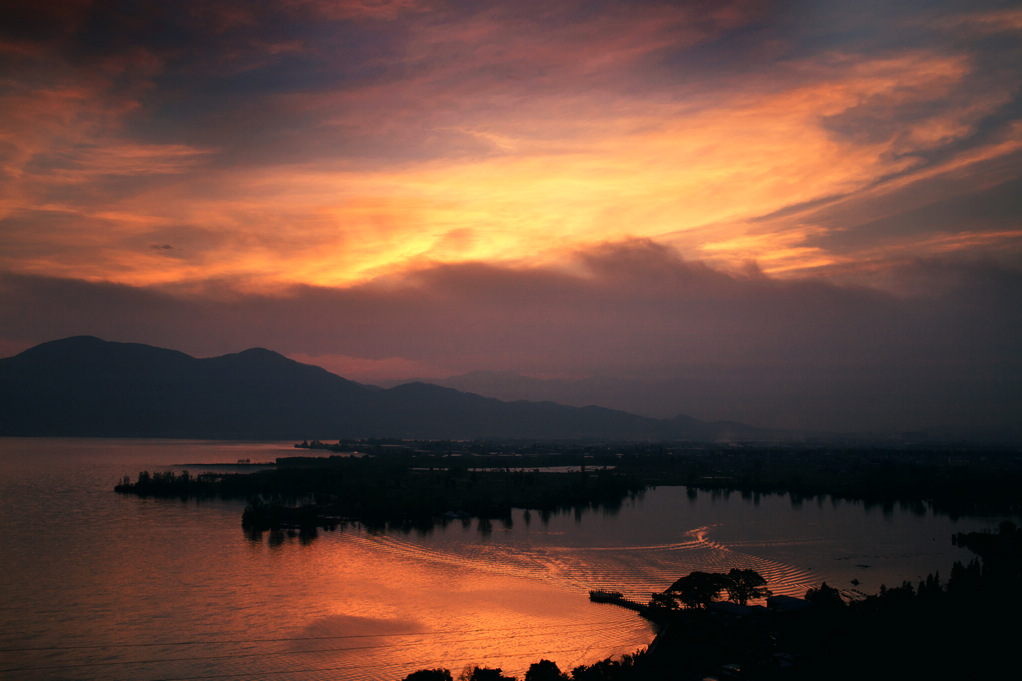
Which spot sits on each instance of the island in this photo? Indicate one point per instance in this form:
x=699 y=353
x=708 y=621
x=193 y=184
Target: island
x=938 y=628
x=406 y=484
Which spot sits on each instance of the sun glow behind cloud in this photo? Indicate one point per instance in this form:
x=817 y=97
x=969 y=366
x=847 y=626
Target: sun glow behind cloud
x=223 y=157
x=694 y=175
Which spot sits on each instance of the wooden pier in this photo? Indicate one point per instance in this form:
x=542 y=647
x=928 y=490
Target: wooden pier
x=617 y=598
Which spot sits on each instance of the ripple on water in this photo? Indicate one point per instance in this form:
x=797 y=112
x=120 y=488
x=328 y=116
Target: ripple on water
x=113 y=587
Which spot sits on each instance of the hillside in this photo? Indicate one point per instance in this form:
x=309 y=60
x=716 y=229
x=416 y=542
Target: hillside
x=84 y=386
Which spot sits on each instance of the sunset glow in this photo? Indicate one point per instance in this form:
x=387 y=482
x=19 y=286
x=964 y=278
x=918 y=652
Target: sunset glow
x=181 y=170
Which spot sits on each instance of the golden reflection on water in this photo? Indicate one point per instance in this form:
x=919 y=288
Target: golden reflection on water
x=103 y=586
x=410 y=607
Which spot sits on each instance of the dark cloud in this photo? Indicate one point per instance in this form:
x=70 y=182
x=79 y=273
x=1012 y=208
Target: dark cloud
x=288 y=82
x=697 y=340
x=978 y=199
x=131 y=109
x=36 y=21
x=283 y=81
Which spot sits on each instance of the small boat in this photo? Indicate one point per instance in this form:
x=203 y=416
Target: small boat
x=600 y=596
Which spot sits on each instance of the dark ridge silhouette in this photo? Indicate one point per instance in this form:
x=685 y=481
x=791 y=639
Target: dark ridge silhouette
x=84 y=386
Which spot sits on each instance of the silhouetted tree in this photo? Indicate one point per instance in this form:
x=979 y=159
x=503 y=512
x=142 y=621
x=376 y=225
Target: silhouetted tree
x=698 y=589
x=545 y=670
x=484 y=674
x=604 y=670
x=825 y=596
x=745 y=584
x=430 y=675
x=667 y=600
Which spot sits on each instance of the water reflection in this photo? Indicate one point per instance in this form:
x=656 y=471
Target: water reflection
x=501 y=593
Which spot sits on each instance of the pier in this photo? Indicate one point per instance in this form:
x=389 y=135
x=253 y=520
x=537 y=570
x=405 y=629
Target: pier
x=617 y=598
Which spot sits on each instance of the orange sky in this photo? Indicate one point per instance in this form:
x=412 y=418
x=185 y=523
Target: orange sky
x=206 y=153
x=521 y=172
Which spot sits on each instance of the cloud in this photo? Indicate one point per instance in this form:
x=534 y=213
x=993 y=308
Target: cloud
x=712 y=344
x=788 y=202
x=331 y=143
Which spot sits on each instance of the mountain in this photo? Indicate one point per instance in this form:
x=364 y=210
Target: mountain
x=84 y=386
x=659 y=397
x=510 y=386
x=89 y=387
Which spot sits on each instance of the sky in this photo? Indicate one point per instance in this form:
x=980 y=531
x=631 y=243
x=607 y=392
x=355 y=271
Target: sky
x=792 y=214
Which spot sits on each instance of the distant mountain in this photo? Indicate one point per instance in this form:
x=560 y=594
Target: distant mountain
x=510 y=386
x=658 y=397
x=84 y=386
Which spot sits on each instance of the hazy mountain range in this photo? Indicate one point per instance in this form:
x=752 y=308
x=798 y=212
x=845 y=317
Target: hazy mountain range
x=84 y=386
x=644 y=397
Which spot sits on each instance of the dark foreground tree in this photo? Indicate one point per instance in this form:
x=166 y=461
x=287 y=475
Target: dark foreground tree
x=608 y=669
x=743 y=585
x=825 y=597
x=484 y=674
x=430 y=675
x=545 y=670
x=698 y=589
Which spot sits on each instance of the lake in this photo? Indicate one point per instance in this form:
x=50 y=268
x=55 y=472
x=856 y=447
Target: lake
x=97 y=585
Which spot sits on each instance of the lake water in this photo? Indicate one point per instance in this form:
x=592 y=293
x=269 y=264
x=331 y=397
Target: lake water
x=97 y=585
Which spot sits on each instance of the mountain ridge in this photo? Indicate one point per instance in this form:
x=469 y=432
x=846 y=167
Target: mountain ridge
x=86 y=386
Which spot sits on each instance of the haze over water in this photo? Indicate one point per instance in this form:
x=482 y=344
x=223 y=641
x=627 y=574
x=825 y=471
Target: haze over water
x=98 y=585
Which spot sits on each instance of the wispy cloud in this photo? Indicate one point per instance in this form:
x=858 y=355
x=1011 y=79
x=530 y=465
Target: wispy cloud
x=347 y=151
